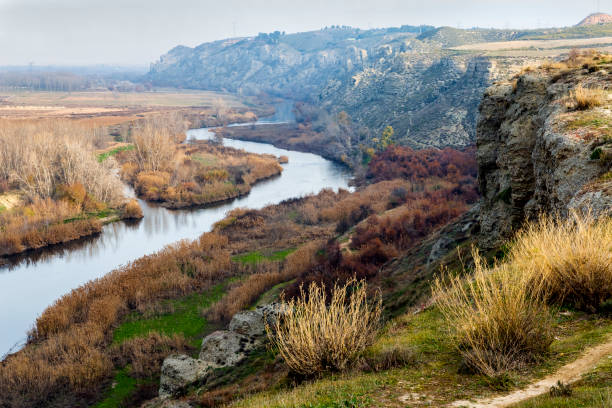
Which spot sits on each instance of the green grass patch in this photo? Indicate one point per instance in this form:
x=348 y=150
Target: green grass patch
x=207 y=160
x=2 y=208
x=435 y=375
x=184 y=318
x=123 y=386
x=106 y=155
x=257 y=256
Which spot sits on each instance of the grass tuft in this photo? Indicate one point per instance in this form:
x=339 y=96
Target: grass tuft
x=319 y=334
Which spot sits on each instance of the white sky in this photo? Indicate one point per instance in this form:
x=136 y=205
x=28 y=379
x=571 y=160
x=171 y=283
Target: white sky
x=83 y=32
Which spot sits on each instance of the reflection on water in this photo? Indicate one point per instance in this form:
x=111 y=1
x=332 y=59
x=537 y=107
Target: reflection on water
x=33 y=281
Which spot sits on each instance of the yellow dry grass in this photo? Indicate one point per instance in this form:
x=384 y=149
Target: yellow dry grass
x=571 y=259
x=497 y=321
x=587 y=98
x=321 y=333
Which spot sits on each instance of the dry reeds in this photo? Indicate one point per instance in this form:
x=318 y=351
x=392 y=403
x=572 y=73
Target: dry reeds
x=587 y=98
x=320 y=333
x=570 y=260
x=497 y=321
x=68 y=349
x=267 y=276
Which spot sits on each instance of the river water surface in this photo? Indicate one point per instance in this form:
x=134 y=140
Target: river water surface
x=33 y=282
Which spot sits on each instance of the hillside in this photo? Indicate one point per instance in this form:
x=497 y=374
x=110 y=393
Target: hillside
x=551 y=156
x=419 y=80
x=596 y=18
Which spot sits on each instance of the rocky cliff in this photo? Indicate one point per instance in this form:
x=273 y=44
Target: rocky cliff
x=405 y=77
x=544 y=145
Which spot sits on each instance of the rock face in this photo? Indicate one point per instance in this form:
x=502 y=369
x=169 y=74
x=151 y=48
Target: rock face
x=596 y=18
x=530 y=160
x=223 y=348
x=405 y=77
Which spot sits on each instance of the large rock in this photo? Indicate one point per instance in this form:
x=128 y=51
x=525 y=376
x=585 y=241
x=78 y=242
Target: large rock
x=226 y=348
x=223 y=348
x=249 y=323
x=179 y=371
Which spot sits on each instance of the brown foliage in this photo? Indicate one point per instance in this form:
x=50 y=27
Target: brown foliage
x=267 y=275
x=67 y=350
x=145 y=355
x=131 y=211
x=43 y=223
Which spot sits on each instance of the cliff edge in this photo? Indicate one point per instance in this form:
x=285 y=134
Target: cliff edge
x=544 y=142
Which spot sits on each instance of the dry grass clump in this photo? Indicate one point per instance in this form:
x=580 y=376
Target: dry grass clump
x=570 y=260
x=320 y=333
x=586 y=98
x=498 y=322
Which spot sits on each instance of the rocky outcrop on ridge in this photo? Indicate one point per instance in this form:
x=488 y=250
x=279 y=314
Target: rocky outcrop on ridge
x=538 y=153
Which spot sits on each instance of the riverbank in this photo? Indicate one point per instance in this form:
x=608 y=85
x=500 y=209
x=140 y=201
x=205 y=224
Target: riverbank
x=287 y=136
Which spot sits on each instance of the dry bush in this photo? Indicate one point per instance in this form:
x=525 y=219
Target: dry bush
x=131 y=210
x=497 y=321
x=569 y=259
x=321 y=333
x=587 y=98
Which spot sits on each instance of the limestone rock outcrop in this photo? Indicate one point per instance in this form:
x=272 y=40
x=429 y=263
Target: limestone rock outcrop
x=534 y=156
x=222 y=348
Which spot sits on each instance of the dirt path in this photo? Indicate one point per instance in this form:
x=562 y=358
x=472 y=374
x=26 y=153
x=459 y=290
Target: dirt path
x=567 y=374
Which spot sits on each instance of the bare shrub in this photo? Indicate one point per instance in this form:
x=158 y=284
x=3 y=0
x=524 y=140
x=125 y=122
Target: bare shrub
x=497 y=321
x=320 y=333
x=56 y=153
x=569 y=259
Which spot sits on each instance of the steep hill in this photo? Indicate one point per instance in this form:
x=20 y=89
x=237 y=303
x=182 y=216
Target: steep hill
x=417 y=79
x=596 y=18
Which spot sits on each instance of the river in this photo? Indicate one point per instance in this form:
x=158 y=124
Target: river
x=34 y=281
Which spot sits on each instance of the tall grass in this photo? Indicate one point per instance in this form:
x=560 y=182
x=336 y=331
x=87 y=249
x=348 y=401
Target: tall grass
x=320 y=333
x=570 y=260
x=498 y=322
x=68 y=351
x=267 y=275
x=587 y=98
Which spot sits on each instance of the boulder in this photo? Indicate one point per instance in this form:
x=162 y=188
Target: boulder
x=249 y=323
x=179 y=371
x=226 y=348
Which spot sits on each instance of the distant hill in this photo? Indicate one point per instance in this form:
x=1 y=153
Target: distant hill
x=414 y=78
x=596 y=18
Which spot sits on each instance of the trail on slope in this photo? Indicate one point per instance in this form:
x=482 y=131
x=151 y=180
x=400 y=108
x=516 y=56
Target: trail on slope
x=567 y=374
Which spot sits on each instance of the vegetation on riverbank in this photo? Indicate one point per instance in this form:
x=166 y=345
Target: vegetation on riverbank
x=162 y=168
x=63 y=192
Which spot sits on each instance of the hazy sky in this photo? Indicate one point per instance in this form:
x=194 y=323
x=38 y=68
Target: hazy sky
x=82 y=32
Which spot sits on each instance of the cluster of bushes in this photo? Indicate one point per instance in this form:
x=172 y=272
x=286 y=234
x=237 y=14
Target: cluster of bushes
x=68 y=350
x=418 y=165
x=200 y=173
x=63 y=185
x=500 y=315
